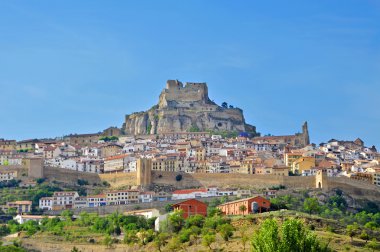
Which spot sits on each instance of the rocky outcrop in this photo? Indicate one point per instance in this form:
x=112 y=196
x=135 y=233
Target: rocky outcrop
x=185 y=108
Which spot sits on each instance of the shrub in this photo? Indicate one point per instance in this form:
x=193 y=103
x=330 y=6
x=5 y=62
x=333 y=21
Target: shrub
x=168 y=208
x=291 y=236
x=178 y=177
x=226 y=231
x=82 y=182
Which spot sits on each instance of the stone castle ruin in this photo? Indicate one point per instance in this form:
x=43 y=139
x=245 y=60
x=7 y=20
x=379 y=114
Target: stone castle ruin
x=183 y=108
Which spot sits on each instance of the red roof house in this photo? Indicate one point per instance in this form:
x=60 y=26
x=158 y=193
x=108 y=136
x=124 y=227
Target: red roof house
x=191 y=207
x=252 y=205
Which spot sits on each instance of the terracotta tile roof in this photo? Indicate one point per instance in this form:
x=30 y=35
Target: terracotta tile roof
x=22 y=202
x=116 y=157
x=188 y=191
x=97 y=196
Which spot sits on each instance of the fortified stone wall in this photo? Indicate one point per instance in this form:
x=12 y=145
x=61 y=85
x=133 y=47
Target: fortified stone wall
x=117 y=180
x=356 y=188
x=120 y=179
x=224 y=180
x=68 y=176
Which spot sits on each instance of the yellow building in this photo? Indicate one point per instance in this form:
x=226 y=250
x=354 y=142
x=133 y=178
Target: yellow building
x=7 y=145
x=375 y=172
x=122 y=197
x=200 y=154
x=23 y=206
x=280 y=171
x=303 y=163
x=164 y=163
x=247 y=166
x=289 y=158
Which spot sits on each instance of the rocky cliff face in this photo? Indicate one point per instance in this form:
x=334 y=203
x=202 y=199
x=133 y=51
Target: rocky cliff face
x=183 y=108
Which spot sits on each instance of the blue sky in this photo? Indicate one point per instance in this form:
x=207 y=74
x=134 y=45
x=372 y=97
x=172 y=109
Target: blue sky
x=80 y=66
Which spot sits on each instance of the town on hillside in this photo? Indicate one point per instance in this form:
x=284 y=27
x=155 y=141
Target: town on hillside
x=158 y=175
x=180 y=153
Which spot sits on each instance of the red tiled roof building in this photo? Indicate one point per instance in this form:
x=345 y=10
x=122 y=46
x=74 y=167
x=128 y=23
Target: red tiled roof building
x=191 y=207
x=252 y=205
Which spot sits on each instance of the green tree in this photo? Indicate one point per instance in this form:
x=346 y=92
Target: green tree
x=311 y=205
x=67 y=215
x=176 y=221
x=371 y=225
x=195 y=220
x=184 y=235
x=214 y=222
x=242 y=209
x=130 y=237
x=212 y=211
x=267 y=238
x=75 y=249
x=226 y=231
x=224 y=105
x=4 y=230
x=161 y=240
x=174 y=244
x=168 y=208
x=364 y=236
x=108 y=241
x=194 y=128
x=84 y=219
x=292 y=236
x=31 y=227
x=12 y=211
x=373 y=245
x=351 y=230
x=223 y=199
x=244 y=238
x=208 y=240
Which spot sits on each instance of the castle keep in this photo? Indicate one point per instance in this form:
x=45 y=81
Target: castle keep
x=183 y=108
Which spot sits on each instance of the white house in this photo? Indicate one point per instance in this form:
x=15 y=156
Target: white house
x=146 y=197
x=80 y=202
x=309 y=172
x=189 y=194
x=46 y=203
x=96 y=200
x=8 y=175
x=21 y=219
x=90 y=165
x=62 y=200
x=90 y=151
x=146 y=213
x=216 y=137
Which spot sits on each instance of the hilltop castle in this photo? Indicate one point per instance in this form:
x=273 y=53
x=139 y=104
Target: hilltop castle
x=183 y=108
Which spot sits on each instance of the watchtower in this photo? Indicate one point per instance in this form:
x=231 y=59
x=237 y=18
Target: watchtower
x=144 y=171
x=321 y=179
x=174 y=84
x=35 y=167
